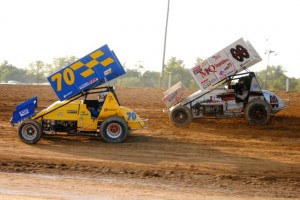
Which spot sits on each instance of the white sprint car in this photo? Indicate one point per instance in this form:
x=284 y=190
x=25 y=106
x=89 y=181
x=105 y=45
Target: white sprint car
x=237 y=96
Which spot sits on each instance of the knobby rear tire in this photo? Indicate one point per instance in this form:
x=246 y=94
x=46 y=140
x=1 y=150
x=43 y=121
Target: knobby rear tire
x=258 y=112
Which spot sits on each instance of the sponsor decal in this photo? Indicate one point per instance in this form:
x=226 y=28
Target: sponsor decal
x=110 y=109
x=109 y=98
x=239 y=53
x=208 y=70
x=175 y=96
x=213 y=80
x=107 y=72
x=204 y=72
x=83 y=113
x=245 y=63
x=131 y=115
x=227 y=67
x=221 y=63
x=88 y=83
x=216 y=57
x=24 y=112
x=211 y=99
x=72 y=111
x=172 y=96
x=274 y=101
x=197 y=70
x=231 y=72
x=205 y=83
x=222 y=73
x=68 y=94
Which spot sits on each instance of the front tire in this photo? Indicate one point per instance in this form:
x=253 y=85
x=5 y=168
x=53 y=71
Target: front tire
x=30 y=131
x=114 y=130
x=258 y=112
x=181 y=116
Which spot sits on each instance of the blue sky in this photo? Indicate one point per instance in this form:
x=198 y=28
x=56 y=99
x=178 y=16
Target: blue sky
x=41 y=30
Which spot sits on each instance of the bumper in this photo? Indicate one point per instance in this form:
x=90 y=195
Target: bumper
x=139 y=124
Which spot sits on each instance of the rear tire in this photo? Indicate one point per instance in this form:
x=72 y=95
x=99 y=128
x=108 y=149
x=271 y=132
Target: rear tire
x=30 y=131
x=258 y=112
x=114 y=130
x=181 y=116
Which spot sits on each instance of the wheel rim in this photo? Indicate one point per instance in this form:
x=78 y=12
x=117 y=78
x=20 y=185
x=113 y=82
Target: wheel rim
x=181 y=117
x=114 y=130
x=258 y=113
x=29 y=132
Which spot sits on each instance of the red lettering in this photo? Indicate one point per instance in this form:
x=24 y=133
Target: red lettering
x=212 y=68
x=216 y=57
x=197 y=69
x=222 y=62
x=207 y=71
x=203 y=74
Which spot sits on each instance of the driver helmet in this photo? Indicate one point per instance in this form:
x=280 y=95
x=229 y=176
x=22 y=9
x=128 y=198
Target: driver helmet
x=241 y=83
x=102 y=96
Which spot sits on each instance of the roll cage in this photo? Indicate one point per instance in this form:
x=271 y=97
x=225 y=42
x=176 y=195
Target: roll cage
x=246 y=77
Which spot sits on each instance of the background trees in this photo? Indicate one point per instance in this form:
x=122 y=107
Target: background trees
x=276 y=79
x=9 y=72
x=36 y=72
x=40 y=70
x=175 y=70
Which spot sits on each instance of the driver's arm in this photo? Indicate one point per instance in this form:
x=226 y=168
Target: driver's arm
x=243 y=95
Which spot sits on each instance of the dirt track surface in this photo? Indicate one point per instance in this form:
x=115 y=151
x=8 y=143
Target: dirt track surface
x=212 y=159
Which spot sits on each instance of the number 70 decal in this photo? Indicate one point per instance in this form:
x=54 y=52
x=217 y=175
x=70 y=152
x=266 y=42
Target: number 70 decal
x=131 y=115
x=68 y=76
